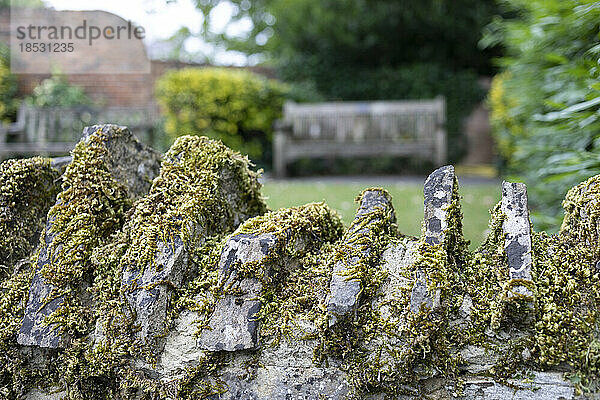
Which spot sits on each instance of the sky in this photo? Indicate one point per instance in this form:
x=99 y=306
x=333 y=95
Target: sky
x=161 y=19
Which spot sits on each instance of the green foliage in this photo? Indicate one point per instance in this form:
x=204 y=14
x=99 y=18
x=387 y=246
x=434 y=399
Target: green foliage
x=237 y=107
x=56 y=91
x=8 y=87
x=367 y=33
x=372 y=49
x=546 y=106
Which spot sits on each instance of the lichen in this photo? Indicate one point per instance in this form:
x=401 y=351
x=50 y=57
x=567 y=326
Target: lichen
x=28 y=189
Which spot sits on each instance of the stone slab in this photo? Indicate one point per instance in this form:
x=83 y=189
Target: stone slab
x=145 y=290
x=131 y=163
x=233 y=325
x=343 y=292
x=437 y=192
x=517 y=229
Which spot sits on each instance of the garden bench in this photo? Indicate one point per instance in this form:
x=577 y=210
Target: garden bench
x=55 y=131
x=360 y=129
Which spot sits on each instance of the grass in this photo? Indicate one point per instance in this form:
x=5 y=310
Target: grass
x=477 y=200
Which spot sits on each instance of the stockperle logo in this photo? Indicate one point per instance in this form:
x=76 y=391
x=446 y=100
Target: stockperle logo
x=75 y=42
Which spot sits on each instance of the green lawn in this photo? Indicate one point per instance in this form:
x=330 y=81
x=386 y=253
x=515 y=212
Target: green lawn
x=408 y=202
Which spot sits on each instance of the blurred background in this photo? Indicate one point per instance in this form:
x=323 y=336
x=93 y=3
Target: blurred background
x=520 y=80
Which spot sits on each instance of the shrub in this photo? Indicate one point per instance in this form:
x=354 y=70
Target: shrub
x=56 y=91
x=235 y=106
x=8 y=87
x=546 y=105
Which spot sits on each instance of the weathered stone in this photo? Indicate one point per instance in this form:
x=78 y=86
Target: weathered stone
x=396 y=260
x=517 y=228
x=149 y=292
x=343 y=292
x=144 y=290
x=130 y=163
x=438 y=192
x=420 y=295
x=284 y=383
x=542 y=386
x=128 y=160
x=47 y=394
x=181 y=349
x=61 y=163
x=233 y=325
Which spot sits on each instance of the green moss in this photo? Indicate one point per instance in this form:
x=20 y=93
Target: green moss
x=350 y=337
x=381 y=352
x=305 y=234
x=582 y=214
x=191 y=198
x=190 y=195
x=90 y=208
x=28 y=189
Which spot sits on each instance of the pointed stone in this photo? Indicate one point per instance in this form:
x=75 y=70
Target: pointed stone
x=233 y=324
x=149 y=288
x=130 y=163
x=437 y=192
x=517 y=230
x=343 y=292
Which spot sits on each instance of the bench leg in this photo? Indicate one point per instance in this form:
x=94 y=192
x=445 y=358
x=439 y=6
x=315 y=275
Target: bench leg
x=279 y=143
x=440 y=153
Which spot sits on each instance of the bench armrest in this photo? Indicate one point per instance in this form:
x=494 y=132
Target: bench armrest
x=281 y=126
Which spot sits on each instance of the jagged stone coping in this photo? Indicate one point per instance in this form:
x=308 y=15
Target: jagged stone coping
x=195 y=290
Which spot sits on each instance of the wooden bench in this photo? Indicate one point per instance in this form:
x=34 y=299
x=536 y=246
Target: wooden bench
x=55 y=131
x=360 y=129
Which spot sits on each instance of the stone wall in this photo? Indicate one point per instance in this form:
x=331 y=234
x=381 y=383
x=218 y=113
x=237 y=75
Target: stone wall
x=166 y=277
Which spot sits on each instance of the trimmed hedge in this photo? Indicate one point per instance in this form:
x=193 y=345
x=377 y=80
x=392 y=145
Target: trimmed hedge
x=235 y=106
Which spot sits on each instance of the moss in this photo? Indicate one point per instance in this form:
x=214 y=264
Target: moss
x=28 y=189
x=305 y=234
x=582 y=214
x=288 y=293
x=350 y=337
x=190 y=199
x=190 y=194
x=90 y=208
x=380 y=352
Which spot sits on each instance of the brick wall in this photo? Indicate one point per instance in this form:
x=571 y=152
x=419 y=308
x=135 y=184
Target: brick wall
x=129 y=89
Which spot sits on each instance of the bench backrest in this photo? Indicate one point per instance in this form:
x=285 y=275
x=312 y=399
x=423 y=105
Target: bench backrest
x=365 y=121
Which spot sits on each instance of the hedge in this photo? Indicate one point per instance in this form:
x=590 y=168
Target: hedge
x=235 y=106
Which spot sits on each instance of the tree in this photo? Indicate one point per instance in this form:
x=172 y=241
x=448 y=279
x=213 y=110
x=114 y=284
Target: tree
x=366 y=33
